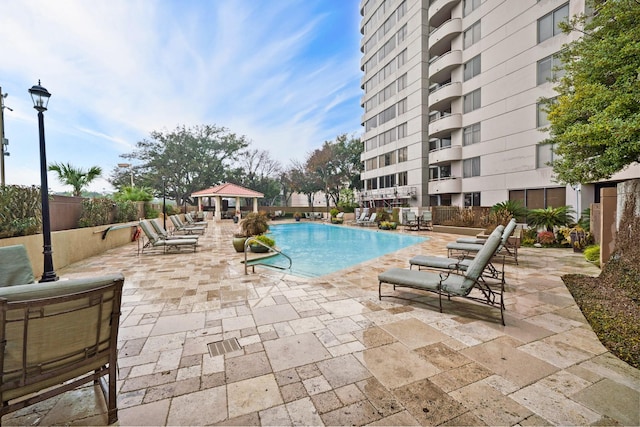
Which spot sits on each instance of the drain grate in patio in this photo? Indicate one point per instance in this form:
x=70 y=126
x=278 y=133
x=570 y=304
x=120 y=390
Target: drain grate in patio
x=221 y=347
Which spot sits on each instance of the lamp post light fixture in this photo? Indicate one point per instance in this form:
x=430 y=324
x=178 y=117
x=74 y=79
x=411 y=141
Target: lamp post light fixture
x=40 y=97
x=130 y=166
x=164 y=205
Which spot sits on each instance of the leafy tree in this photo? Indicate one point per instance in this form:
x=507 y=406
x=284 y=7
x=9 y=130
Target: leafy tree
x=187 y=159
x=76 y=177
x=337 y=165
x=595 y=119
x=300 y=179
x=258 y=171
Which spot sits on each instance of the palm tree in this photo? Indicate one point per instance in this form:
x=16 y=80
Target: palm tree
x=76 y=177
x=550 y=217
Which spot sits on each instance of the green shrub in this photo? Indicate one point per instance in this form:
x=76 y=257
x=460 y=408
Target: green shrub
x=125 y=211
x=334 y=212
x=265 y=239
x=96 y=212
x=20 y=210
x=592 y=254
x=550 y=217
x=546 y=238
x=149 y=212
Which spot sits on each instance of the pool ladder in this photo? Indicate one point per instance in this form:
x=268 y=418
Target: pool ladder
x=253 y=265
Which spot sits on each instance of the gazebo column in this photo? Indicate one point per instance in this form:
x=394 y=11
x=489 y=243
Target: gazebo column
x=218 y=213
x=238 y=206
x=255 y=204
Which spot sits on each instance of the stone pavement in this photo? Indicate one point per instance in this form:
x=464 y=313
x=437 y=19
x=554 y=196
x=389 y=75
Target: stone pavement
x=325 y=351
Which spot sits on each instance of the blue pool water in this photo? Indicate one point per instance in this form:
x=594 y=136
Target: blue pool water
x=318 y=249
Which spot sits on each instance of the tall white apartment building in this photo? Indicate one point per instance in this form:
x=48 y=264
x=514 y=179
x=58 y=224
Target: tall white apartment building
x=451 y=103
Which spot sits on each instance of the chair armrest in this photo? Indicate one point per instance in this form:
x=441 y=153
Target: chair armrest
x=58 y=288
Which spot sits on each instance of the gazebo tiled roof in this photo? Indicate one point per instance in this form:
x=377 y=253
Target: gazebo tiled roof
x=227 y=190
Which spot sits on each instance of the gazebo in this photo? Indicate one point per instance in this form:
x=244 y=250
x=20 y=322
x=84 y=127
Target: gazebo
x=226 y=190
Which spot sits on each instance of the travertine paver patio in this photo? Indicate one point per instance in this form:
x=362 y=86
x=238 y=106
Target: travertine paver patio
x=326 y=351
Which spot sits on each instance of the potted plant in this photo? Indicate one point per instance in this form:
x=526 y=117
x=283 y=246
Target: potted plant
x=257 y=247
x=297 y=216
x=238 y=241
x=253 y=224
x=384 y=225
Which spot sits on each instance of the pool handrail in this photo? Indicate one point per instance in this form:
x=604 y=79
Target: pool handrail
x=250 y=241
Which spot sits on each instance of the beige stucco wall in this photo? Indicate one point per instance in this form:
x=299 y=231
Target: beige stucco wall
x=70 y=246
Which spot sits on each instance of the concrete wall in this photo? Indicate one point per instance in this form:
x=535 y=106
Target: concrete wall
x=608 y=225
x=71 y=246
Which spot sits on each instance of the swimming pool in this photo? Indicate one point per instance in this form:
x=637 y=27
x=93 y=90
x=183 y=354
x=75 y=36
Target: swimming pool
x=318 y=249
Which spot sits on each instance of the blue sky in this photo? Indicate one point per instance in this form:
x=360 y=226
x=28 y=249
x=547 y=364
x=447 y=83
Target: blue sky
x=284 y=73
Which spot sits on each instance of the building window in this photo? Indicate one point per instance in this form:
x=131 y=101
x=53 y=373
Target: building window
x=544 y=155
x=439 y=172
x=387 y=181
x=371 y=164
x=472 y=101
x=472 y=199
x=372 y=184
x=387 y=159
x=471 y=134
x=471 y=167
x=370 y=144
x=472 y=35
x=371 y=123
x=542 y=118
x=540 y=198
x=439 y=144
x=548 y=24
x=402 y=33
x=387 y=137
x=470 y=6
x=402 y=82
x=402 y=178
x=387 y=114
x=402 y=154
x=472 y=68
x=549 y=69
x=402 y=130
x=402 y=106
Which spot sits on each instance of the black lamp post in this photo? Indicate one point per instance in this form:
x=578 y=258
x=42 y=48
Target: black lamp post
x=164 y=205
x=40 y=97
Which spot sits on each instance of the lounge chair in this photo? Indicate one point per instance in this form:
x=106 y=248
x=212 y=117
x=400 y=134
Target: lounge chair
x=164 y=235
x=155 y=241
x=338 y=219
x=458 y=264
x=362 y=218
x=55 y=336
x=452 y=283
x=371 y=221
x=411 y=221
x=193 y=222
x=425 y=221
x=178 y=225
x=467 y=247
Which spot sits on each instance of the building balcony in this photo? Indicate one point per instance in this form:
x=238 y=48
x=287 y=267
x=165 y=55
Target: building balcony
x=401 y=192
x=445 y=186
x=440 y=67
x=440 y=38
x=440 y=11
x=445 y=155
x=445 y=125
x=440 y=98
